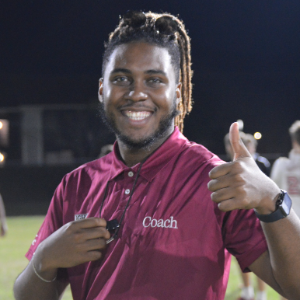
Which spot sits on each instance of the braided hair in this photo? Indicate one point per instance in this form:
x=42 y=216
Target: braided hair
x=164 y=30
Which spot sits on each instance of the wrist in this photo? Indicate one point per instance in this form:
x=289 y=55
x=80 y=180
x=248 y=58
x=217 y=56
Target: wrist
x=41 y=264
x=40 y=275
x=283 y=208
x=269 y=203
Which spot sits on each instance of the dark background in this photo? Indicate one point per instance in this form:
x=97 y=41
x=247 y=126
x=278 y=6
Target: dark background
x=245 y=57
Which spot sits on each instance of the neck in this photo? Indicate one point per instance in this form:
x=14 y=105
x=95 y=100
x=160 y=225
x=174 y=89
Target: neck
x=296 y=147
x=132 y=156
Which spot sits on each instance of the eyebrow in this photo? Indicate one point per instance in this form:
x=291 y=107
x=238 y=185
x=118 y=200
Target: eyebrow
x=120 y=70
x=149 y=72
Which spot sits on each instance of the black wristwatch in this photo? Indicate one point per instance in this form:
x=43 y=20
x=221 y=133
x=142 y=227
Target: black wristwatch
x=283 y=208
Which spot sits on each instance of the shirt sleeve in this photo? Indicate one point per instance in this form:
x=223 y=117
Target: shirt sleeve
x=243 y=237
x=52 y=221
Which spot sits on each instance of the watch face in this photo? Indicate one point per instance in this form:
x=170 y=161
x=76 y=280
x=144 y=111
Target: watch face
x=286 y=204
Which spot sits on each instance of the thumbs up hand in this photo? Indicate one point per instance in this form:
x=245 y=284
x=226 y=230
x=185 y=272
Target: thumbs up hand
x=240 y=184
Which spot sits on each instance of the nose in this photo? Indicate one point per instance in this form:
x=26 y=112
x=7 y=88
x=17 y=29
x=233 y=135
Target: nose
x=137 y=96
x=137 y=93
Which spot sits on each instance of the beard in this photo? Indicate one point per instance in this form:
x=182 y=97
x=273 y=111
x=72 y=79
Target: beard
x=142 y=143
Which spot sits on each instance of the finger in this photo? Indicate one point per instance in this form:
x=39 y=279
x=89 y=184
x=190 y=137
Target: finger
x=95 y=233
x=93 y=255
x=91 y=222
x=219 y=171
x=87 y=256
x=226 y=201
x=238 y=147
x=228 y=205
x=231 y=198
x=216 y=184
x=96 y=244
x=223 y=194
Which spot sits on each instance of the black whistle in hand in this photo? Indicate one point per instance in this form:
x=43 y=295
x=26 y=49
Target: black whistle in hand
x=112 y=225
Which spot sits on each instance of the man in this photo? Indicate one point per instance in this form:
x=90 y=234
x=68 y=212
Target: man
x=167 y=239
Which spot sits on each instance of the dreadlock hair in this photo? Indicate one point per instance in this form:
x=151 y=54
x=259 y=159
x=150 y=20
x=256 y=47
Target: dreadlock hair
x=163 y=30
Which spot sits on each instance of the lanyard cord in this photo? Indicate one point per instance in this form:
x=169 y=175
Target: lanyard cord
x=105 y=194
x=127 y=204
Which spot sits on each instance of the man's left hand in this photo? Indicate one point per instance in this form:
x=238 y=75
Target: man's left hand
x=240 y=184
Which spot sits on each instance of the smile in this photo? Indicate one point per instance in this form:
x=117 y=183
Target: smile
x=137 y=115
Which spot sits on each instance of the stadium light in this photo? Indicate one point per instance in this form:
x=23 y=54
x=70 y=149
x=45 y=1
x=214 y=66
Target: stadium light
x=4 y=133
x=257 y=135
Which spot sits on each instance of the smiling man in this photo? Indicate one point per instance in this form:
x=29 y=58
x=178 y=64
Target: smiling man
x=139 y=96
x=141 y=222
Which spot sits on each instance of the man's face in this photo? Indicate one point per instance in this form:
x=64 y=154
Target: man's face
x=139 y=93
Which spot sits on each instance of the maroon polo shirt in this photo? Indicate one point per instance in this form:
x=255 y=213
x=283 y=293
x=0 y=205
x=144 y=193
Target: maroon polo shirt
x=174 y=242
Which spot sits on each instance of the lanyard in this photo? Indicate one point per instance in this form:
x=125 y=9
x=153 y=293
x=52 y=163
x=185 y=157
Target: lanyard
x=114 y=224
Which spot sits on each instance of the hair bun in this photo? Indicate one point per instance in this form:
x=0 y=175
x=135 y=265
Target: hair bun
x=134 y=18
x=166 y=25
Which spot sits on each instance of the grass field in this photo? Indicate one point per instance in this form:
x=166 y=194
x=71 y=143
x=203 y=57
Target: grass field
x=21 y=232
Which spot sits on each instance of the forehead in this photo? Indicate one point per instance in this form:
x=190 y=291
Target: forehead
x=140 y=56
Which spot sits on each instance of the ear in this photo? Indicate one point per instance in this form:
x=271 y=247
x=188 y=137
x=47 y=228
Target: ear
x=100 y=90
x=178 y=92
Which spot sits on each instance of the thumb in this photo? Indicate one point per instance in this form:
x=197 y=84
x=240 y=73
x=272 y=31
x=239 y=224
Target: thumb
x=238 y=147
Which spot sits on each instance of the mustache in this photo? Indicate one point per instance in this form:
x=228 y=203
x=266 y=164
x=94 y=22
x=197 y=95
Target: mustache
x=137 y=106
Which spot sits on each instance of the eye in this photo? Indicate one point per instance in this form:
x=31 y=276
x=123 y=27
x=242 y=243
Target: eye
x=121 y=80
x=155 y=81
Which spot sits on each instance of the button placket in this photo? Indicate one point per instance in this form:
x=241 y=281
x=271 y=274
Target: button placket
x=127 y=192
x=130 y=174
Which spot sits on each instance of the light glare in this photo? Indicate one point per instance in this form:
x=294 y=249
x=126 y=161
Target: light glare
x=257 y=135
x=1 y=125
x=1 y=157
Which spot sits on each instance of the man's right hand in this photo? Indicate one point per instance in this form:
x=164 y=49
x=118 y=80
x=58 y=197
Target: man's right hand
x=74 y=243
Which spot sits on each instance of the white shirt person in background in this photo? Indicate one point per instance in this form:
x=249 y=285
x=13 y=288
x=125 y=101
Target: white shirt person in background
x=286 y=171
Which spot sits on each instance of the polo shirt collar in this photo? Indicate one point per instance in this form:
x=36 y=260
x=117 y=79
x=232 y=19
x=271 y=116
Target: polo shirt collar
x=155 y=162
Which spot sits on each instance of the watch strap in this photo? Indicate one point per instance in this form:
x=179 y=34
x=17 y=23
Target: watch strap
x=283 y=208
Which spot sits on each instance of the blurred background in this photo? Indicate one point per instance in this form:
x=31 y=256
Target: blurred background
x=246 y=66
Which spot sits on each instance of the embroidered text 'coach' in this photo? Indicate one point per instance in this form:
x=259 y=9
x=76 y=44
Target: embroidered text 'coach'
x=169 y=223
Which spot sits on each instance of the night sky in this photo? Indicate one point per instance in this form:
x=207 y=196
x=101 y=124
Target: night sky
x=245 y=54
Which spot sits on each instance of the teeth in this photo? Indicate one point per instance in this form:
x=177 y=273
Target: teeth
x=137 y=115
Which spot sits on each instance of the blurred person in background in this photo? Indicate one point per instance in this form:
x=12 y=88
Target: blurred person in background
x=286 y=171
x=247 y=292
x=106 y=149
x=262 y=162
x=251 y=144
x=3 y=225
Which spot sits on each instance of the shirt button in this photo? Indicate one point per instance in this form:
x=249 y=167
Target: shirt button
x=127 y=191
x=130 y=174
